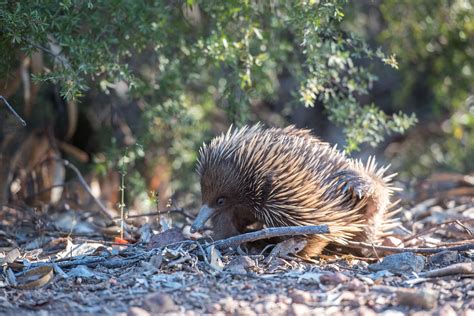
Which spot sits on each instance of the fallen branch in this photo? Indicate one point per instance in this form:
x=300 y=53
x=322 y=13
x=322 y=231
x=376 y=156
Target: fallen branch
x=270 y=233
x=439 y=226
x=86 y=186
x=92 y=261
x=178 y=210
x=457 y=268
x=463 y=247
x=10 y=108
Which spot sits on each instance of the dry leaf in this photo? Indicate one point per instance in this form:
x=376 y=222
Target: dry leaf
x=215 y=261
x=166 y=238
x=287 y=247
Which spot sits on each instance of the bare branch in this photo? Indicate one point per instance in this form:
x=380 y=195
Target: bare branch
x=270 y=233
x=86 y=186
x=10 y=108
x=454 y=269
x=178 y=210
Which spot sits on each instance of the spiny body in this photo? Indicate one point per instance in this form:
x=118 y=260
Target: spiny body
x=288 y=177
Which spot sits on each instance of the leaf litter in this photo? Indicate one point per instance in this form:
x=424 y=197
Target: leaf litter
x=172 y=272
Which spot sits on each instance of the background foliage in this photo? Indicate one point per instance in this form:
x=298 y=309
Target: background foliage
x=167 y=75
x=435 y=40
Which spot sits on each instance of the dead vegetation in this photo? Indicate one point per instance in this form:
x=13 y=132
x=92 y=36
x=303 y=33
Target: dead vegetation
x=58 y=259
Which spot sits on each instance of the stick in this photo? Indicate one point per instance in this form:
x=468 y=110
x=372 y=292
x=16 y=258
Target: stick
x=10 y=108
x=270 y=233
x=464 y=247
x=440 y=225
x=457 y=268
x=178 y=210
x=91 y=261
x=86 y=186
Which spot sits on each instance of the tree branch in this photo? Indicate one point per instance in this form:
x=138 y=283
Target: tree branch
x=270 y=233
x=10 y=108
x=86 y=186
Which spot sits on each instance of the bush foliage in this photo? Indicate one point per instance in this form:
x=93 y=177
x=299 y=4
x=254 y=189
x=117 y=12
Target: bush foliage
x=435 y=41
x=197 y=55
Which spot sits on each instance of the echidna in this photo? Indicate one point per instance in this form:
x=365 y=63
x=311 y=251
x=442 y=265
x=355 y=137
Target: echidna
x=288 y=177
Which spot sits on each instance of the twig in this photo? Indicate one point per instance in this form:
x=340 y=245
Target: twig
x=270 y=233
x=89 y=260
x=178 y=210
x=119 y=263
x=464 y=247
x=457 y=268
x=455 y=243
x=10 y=108
x=92 y=261
x=85 y=186
x=123 y=173
x=82 y=181
x=434 y=227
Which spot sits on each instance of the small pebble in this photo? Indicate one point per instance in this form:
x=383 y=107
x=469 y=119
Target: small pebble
x=229 y=305
x=299 y=310
x=160 y=303
x=334 y=278
x=426 y=299
x=300 y=297
x=444 y=258
x=137 y=311
x=445 y=310
x=213 y=308
x=400 y=263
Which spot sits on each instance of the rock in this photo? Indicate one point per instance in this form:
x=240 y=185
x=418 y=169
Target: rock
x=401 y=263
x=380 y=275
x=236 y=268
x=426 y=299
x=166 y=238
x=137 y=311
x=366 y=311
x=392 y=312
x=334 y=278
x=245 y=311
x=229 y=305
x=445 y=310
x=240 y=265
x=84 y=272
x=213 y=308
x=272 y=298
x=246 y=261
x=160 y=303
x=258 y=308
x=444 y=258
x=300 y=297
x=269 y=307
x=299 y=310
x=355 y=285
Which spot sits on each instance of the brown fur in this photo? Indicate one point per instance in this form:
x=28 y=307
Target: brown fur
x=287 y=177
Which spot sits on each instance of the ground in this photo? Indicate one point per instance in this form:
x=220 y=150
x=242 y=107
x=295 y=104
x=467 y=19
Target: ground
x=171 y=273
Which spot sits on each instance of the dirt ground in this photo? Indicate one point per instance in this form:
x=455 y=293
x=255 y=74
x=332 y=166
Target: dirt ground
x=47 y=270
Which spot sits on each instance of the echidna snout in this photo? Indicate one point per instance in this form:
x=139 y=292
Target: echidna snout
x=205 y=213
x=288 y=177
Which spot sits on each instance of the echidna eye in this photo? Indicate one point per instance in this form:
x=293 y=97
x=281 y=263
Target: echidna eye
x=220 y=201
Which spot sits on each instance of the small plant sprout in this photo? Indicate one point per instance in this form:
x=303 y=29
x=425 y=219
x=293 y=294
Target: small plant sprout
x=123 y=173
